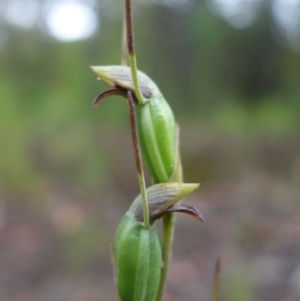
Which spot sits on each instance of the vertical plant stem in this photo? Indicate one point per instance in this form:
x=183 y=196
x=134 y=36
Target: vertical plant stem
x=138 y=159
x=168 y=234
x=217 y=281
x=168 y=219
x=131 y=52
x=128 y=30
x=124 y=51
x=169 y=226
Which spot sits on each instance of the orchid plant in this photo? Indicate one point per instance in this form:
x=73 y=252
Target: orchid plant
x=141 y=256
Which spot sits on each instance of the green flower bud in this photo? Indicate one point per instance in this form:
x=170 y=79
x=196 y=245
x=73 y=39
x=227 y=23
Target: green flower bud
x=155 y=121
x=137 y=251
x=138 y=260
x=157 y=135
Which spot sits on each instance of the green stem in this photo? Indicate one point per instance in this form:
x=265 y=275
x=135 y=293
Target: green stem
x=169 y=226
x=141 y=101
x=131 y=53
x=217 y=281
x=168 y=234
x=124 y=51
x=168 y=219
x=138 y=159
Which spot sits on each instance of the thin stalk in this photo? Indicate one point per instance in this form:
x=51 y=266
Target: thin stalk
x=169 y=226
x=124 y=52
x=217 y=281
x=168 y=234
x=138 y=159
x=131 y=52
x=169 y=218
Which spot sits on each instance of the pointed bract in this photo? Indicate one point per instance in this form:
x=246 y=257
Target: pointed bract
x=120 y=76
x=162 y=197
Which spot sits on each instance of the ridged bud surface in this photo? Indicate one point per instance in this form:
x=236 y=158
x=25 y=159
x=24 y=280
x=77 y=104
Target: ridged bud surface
x=155 y=121
x=157 y=135
x=138 y=259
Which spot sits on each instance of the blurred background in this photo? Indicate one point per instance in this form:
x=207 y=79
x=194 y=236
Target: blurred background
x=230 y=70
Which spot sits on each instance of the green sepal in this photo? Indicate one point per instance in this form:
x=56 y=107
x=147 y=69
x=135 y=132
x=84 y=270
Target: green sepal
x=155 y=120
x=138 y=259
x=157 y=135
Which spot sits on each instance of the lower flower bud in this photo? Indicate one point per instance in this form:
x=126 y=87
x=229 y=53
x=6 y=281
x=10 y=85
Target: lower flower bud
x=138 y=260
x=137 y=250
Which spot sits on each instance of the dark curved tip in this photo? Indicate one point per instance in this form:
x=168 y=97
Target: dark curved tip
x=190 y=210
x=107 y=93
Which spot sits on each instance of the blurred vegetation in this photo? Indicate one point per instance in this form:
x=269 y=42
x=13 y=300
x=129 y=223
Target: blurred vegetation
x=219 y=80
x=212 y=74
x=237 y=80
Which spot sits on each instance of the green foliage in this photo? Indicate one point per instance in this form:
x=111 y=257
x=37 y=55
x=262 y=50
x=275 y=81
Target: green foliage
x=238 y=286
x=270 y=116
x=210 y=72
x=81 y=248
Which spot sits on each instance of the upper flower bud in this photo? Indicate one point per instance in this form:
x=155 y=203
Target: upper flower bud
x=155 y=120
x=120 y=76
